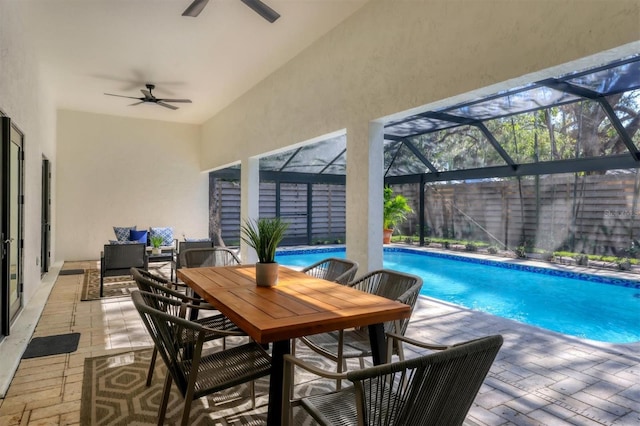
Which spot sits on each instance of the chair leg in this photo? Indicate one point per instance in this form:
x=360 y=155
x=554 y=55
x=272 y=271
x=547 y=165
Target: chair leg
x=165 y=400
x=152 y=366
x=252 y=390
x=101 y=283
x=342 y=363
x=186 y=411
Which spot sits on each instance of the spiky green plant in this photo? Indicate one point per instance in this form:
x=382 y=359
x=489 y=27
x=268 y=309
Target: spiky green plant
x=156 y=241
x=264 y=235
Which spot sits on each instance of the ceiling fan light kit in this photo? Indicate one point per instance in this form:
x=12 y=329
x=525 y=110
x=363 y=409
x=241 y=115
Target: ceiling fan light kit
x=258 y=6
x=151 y=99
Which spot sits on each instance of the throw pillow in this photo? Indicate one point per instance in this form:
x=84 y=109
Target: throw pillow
x=165 y=233
x=123 y=232
x=138 y=236
x=197 y=240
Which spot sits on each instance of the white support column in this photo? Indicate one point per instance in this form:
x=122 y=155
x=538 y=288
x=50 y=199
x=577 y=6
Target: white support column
x=249 y=201
x=365 y=162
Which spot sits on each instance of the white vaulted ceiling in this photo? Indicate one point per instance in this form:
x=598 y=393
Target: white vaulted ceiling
x=91 y=47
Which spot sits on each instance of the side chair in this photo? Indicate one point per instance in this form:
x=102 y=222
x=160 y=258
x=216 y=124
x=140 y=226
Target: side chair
x=433 y=389
x=178 y=261
x=211 y=256
x=180 y=342
x=118 y=259
x=341 y=345
x=150 y=283
x=341 y=271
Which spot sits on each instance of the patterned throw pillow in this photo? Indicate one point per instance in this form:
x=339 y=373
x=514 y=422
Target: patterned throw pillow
x=165 y=233
x=123 y=232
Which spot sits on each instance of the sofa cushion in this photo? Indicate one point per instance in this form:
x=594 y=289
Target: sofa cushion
x=138 y=236
x=123 y=232
x=165 y=233
x=116 y=242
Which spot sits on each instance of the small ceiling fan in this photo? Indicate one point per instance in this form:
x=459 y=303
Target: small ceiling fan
x=259 y=7
x=149 y=98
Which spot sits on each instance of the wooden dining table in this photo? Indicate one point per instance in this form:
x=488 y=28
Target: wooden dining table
x=298 y=305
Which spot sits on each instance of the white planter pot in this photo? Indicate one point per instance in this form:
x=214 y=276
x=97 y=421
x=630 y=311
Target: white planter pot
x=266 y=274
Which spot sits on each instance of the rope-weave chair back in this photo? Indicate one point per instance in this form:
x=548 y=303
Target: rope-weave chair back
x=170 y=333
x=213 y=256
x=434 y=389
x=333 y=269
x=394 y=285
x=148 y=282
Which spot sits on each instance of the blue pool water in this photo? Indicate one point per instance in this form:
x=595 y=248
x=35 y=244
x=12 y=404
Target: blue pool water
x=581 y=305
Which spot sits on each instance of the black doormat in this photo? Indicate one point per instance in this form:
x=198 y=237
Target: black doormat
x=71 y=272
x=52 y=345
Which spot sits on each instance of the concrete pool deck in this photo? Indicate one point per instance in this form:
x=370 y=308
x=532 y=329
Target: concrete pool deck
x=539 y=377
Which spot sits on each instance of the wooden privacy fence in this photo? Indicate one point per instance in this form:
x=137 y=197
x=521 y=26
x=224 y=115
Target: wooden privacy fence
x=319 y=218
x=596 y=214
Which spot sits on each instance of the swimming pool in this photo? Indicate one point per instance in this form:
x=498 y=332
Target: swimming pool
x=582 y=305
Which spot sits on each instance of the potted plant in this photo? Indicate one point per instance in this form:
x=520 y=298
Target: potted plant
x=264 y=235
x=156 y=242
x=394 y=212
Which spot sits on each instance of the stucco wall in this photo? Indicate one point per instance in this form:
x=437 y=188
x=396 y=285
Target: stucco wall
x=24 y=99
x=115 y=171
x=393 y=56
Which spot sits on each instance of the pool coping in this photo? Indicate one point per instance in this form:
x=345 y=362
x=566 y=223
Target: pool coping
x=609 y=277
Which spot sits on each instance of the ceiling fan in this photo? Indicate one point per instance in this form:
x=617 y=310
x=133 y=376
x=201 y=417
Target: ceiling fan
x=149 y=98
x=259 y=7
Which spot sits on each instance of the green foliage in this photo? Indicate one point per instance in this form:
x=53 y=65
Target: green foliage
x=581 y=259
x=624 y=264
x=492 y=249
x=395 y=209
x=264 y=235
x=471 y=246
x=156 y=241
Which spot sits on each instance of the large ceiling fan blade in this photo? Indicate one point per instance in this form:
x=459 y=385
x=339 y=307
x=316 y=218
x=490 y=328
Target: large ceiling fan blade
x=147 y=94
x=195 y=8
x=262 y=9
x=136 y=103
x=120 y=96
x=166 y=105
x=186 y=101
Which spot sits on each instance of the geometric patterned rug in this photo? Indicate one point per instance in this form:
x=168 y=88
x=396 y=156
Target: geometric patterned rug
x=114 y=392
x=115 y=286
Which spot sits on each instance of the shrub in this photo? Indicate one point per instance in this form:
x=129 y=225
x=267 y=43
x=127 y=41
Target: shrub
x=471 y=246
x=581 y=259
x=521 y=252
x=624 y=264
x=492 y=249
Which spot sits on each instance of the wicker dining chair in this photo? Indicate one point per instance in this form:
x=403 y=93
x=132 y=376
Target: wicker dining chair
x=180 y=342
x=341 y=271
x=211 y=256
x=148 y=282
x=183 y=246
x=341 y=345
x=433 y=389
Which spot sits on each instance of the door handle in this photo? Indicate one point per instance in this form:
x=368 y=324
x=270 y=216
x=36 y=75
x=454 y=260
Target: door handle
x=9 y=241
